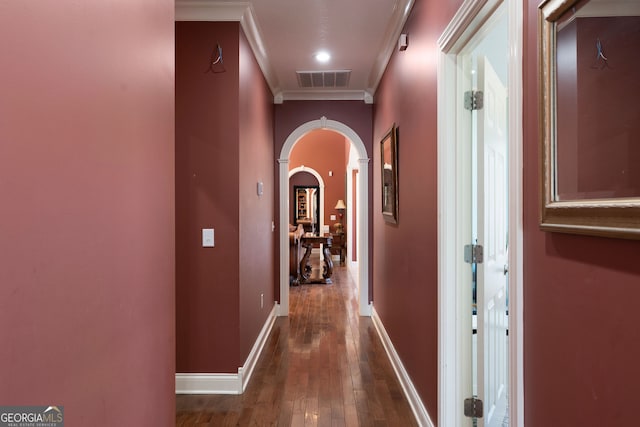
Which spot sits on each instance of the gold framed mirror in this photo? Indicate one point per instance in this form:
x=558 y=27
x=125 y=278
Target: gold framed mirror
x=590 y=117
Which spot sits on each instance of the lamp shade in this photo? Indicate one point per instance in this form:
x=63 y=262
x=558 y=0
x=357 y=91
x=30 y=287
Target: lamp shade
x=340 y=205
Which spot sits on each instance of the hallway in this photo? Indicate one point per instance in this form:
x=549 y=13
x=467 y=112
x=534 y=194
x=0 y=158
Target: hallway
x=322 y=366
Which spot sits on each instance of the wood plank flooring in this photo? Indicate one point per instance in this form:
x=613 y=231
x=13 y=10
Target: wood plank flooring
x=324 y=365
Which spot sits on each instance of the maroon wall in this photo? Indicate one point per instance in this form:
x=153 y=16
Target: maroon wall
x=292 y=114
x=207 y=185
x=324 y=151
x=224 y=147
x=599 y=123
x=581 y=340
x=86 y=217
x=257 y=259
x=405 y=255
x=609 y=119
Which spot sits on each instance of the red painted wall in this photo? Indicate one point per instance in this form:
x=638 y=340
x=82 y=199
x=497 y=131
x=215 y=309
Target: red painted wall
x=224 y=128
x=405 y=257
x=207 y=185
x=324 y=151
x=257 y=238
x=598 y=127
x=292 y=114
x=581 y=340
x=86 y=218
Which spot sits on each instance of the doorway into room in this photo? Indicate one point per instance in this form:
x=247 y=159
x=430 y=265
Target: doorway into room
x=355 y=216
x=484 y=60
x=480 y=247
x=307 y=199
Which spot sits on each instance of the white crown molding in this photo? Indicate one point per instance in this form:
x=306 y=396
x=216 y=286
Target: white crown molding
x=235 y=11
x=202 y=10
x=390 y=42
x=242 y=11
x=254 y=36
x=206 y=383
x=418 y=408
x=324 y=95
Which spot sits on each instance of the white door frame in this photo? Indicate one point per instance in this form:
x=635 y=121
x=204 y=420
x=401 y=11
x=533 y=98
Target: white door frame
x=351 y=166
x=321 y=189
x=362 y=222
x=467 y=21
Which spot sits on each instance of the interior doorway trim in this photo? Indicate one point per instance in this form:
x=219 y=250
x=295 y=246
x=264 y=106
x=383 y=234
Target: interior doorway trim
x=362 y=242
x=465 y=23
x=320 y=184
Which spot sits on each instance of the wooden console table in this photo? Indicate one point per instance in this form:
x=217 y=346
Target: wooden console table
x=305 y=264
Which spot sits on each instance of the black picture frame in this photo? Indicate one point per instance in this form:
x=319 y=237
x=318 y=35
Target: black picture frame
x=389 y=175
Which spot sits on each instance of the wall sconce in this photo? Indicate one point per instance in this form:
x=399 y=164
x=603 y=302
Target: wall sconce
x=216 y=64
x=340 y=207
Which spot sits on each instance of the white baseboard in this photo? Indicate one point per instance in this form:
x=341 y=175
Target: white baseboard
x=420 y=412
x=208 y=384
x=205 y=383
x=246 y=371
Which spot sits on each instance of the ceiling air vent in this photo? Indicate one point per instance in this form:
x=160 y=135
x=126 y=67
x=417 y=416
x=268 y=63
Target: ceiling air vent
x=309 y=79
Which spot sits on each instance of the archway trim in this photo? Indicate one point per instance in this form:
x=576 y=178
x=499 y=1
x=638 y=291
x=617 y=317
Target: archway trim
x=362 y=232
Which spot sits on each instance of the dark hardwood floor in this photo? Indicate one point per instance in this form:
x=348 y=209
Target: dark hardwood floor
x=324 y=365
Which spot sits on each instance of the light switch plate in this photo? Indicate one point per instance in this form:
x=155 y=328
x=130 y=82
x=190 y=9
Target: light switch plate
x=333 y=217
x=207 y=238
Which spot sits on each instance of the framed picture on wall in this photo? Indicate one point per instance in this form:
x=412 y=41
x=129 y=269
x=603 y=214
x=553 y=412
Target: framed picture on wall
x=389 y=175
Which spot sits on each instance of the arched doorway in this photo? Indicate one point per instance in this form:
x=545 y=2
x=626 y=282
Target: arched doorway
x=362 y=243
x=320 y=184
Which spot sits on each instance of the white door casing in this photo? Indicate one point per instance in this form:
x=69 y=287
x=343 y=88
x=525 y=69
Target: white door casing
x=453 y=173
x=362 y=200
x=320 y=185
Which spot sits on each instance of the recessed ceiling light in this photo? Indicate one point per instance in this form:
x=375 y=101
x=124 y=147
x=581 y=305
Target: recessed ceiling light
x=322 y=56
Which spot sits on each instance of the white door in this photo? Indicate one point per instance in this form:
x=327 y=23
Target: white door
x=492 y=225
x=473 y=163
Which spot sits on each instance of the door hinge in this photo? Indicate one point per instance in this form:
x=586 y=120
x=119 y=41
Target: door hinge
x=473 y=254
x=473 y=100
x=473 y=407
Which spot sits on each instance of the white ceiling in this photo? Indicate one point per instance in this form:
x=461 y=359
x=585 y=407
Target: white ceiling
x=360 y=35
